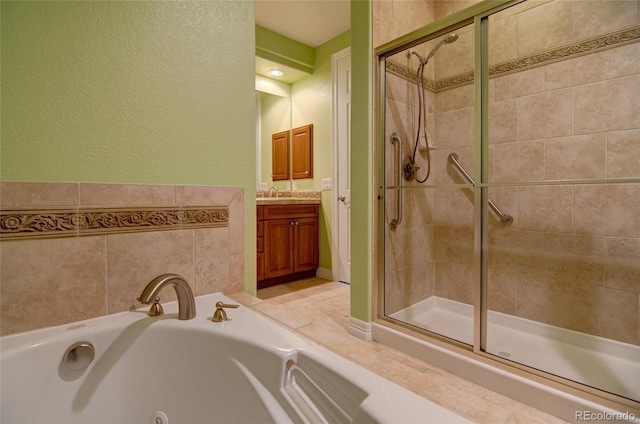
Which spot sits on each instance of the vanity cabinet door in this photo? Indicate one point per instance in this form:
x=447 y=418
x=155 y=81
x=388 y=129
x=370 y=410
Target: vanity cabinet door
x=302 y=152
x=280 y=156
x=305 y=242
x=278 y=247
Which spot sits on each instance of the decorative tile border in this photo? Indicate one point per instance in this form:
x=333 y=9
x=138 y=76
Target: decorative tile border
x=47 y=223
x=592 y=45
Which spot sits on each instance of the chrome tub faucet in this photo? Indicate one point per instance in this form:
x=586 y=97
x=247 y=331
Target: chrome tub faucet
x=186 y=301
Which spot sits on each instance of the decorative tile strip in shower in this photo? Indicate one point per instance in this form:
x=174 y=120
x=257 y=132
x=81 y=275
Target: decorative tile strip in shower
x=47 y=223
x=592 y=45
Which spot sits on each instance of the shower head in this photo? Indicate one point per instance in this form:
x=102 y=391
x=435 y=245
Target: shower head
x=446 y=40
x=450 y=38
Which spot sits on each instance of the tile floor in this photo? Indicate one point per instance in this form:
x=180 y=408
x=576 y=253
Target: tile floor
x=319 y=310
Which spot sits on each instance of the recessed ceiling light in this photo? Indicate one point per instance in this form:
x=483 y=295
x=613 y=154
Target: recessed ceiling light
x=275 y=72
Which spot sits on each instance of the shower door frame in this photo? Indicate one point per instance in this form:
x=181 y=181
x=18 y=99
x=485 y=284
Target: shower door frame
x=478 y=16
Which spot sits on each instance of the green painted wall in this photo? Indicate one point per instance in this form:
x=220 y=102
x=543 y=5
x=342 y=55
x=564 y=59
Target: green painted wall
x=131 y=92
x=361 y=162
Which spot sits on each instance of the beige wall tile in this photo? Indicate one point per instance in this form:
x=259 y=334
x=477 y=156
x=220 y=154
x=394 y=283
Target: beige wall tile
x=454 y=129
x=577 y=270
x=600 y=311
x=543 y=27
x=27 y=195
x=518 y=84
x=455 y=58
x=608 y=209
x=236 y=224
x=607 y=106
x=522 y=161
x=444 y=101
x=442 y=243
x=126 y=194
x=622 y=61
x=443 y=9
x=574 y=244
x=207 y=195
x=575 y=157
x=545 y=208
x=51 y=282
x=623 y=154
x=502 y=33
x=399 y=89
x=589 y=19
x=133 y=260
x=571 y=72
x=502 y=289
x=622 y=274
x=462 y=97
x=236 y=273
x=546 y=302
x=546 y=115
x=413 y=14
x=622 y=267
x=503 y=121
x=453 y=207
x=211 y=260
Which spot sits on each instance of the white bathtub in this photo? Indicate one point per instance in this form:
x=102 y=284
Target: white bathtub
x=163 y=370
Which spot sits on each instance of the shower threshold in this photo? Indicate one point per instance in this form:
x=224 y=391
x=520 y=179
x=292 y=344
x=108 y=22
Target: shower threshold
x=606 y=364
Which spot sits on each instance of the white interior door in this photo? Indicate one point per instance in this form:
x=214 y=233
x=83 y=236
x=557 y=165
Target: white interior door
x=341 y=252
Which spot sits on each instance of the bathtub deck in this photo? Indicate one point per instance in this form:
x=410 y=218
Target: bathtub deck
x=319 y=310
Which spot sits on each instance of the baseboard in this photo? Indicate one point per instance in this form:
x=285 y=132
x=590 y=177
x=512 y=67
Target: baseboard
x=327 y=274
x=360 y=329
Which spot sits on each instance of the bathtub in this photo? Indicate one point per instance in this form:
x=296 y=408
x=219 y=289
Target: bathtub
x=162 y=370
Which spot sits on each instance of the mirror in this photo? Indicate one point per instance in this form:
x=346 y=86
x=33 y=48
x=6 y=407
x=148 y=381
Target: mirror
x=273 y=115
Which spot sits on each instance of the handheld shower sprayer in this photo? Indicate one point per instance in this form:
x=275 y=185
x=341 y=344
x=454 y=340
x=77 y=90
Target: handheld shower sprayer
x=411 y=168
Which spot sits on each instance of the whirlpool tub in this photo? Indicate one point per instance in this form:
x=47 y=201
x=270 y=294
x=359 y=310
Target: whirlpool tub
x=163 y=370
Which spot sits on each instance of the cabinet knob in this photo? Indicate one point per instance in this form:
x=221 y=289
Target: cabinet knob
x=342 y=198
x=292 y=223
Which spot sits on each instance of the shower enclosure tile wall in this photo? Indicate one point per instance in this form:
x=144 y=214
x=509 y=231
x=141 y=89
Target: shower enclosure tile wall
x=560 y=280
x=562 y=106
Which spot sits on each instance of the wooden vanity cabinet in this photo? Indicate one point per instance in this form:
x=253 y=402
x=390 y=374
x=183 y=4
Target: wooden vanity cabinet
x=289 y=243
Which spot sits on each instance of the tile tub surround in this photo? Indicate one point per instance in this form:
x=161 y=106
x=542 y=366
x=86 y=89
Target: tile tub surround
x=319 y=310
x=72 y=251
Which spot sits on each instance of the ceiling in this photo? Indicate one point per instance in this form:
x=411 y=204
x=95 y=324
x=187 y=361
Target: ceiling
x=311 y=22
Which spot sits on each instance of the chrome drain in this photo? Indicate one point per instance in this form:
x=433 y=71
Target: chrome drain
x=504 y=354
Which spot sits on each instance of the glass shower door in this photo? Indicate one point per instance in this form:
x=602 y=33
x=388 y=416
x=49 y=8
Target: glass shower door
x=564 y=161
x=429 y=266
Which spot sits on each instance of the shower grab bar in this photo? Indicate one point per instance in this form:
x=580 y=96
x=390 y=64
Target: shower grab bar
x=504 y=218
x=395 y=139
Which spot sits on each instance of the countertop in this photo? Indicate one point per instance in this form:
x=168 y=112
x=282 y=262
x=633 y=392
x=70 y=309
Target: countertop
x=287 y=201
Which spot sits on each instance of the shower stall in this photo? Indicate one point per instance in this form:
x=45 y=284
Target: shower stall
x=508 y=173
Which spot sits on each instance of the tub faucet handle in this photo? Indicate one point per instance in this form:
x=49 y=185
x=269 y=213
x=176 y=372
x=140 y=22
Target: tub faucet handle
x=156 y=309
x=220 y=314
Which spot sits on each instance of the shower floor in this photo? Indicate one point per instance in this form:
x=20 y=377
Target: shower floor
x=595 y=361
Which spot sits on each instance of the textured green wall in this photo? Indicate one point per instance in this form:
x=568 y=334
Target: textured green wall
x=361 y=162
x=130 y=92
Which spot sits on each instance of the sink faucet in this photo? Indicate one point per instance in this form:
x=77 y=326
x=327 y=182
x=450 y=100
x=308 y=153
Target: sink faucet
x=273 y=188
x=186 y=301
